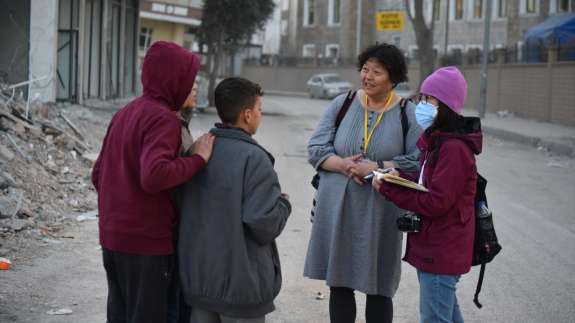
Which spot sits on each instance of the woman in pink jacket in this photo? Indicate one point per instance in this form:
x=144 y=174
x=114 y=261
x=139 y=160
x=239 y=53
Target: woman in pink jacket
x=441 y=250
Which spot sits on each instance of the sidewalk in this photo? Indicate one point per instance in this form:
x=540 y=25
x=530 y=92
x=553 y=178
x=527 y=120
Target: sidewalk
x=557 y=139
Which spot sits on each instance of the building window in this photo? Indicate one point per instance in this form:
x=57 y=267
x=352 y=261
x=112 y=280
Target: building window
x=477 y=9
x=332 y=51
x=529 y=6
x=458 y=9
x=436 y=9
x=145 y=38
x=501 y=8
x=187 y=44
x=413 y=52
x=308 y=50
x=284 y=27
x=563 y=6
x=334 y=15
x=309 y=12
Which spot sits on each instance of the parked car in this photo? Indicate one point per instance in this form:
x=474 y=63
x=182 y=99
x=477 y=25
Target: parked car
x=327 y=86
x=403 y=90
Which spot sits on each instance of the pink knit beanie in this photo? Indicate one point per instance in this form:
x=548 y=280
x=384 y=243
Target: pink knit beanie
x=448 y=85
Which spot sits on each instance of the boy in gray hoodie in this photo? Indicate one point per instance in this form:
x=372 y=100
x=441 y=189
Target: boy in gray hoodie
x=231 y=214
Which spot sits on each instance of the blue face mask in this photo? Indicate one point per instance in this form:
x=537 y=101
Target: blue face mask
x=425 y=114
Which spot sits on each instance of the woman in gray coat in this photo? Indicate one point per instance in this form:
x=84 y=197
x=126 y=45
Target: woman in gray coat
x=355 y=244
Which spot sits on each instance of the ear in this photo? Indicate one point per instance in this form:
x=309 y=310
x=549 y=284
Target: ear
x=247 y=115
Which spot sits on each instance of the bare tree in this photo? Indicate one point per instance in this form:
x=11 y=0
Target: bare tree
x=423 y=37
x=226 y=26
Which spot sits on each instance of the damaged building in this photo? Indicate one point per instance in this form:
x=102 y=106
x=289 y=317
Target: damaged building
x=72 y=50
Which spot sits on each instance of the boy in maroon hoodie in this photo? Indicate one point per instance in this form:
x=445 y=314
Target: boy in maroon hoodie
x=134 y=176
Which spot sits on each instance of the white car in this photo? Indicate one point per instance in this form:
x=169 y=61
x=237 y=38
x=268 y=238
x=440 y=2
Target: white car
x=403 y=90
x=327 y=86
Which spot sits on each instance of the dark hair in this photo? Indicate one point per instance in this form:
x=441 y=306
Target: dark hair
x=234 y=95
x=388 y=56
x=445 y=121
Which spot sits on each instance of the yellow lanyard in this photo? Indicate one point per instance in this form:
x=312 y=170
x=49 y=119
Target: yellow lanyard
x=366 y=133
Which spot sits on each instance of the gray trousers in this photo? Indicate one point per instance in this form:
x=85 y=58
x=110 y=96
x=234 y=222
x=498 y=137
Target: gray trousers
x=202 y=316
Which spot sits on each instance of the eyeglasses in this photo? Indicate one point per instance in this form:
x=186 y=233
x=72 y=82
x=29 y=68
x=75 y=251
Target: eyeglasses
x=420 y=98
x=423 y=98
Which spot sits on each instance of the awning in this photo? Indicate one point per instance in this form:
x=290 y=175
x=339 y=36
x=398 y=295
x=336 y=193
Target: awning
x=554 y=31
x=169 y=18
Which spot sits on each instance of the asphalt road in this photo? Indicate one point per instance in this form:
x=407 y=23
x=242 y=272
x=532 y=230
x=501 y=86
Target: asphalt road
x=531 y=194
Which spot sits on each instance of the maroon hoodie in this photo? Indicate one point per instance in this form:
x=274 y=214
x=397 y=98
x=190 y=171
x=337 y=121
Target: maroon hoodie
x=139 y=165
x=445 y=243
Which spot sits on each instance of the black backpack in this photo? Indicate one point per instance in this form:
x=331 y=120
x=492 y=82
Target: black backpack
x=485 y=244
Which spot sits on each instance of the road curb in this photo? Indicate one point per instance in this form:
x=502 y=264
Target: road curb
x=286 y=93
x=552 y=146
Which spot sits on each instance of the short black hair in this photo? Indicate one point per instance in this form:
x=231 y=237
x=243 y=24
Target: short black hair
x=390 y=57
x=233 y=95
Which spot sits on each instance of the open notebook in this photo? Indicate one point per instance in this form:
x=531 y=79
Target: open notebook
x=390 y=178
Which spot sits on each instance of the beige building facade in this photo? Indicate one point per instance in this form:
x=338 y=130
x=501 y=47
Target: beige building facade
x=327 y=28
x=170 y=20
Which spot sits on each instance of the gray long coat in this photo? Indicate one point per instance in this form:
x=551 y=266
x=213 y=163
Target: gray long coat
x=354 y=241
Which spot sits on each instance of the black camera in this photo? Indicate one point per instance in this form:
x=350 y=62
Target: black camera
x=409 y=222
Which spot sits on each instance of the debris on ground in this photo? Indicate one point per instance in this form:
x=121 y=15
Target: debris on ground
x=5 y=264
x=504 y=114
x=47 y=151
x=319 y=296
x=62 y=311
x=88 y=216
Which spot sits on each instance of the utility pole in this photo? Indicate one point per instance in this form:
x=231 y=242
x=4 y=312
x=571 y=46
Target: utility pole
x=358 y=29
x=484 y=60
x=446 y=28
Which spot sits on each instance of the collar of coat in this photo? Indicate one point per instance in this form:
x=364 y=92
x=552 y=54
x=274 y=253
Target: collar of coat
x=225 y=131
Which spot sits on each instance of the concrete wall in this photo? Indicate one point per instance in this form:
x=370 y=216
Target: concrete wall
x=43 y=48
x=544 y=92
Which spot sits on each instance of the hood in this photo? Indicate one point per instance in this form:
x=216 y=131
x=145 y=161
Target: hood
x=168 y=73
x=470 y=134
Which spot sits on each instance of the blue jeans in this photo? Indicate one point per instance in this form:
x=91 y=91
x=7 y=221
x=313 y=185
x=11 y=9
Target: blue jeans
x=437 y=299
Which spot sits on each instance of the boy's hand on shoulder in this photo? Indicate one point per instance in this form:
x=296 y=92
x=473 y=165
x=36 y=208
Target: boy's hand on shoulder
x=203 y=146
x=285 y=196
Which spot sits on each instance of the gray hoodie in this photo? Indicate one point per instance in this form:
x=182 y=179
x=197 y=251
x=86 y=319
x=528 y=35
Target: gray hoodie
x=231 y=213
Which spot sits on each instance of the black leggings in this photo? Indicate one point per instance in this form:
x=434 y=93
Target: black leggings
x=378 y=309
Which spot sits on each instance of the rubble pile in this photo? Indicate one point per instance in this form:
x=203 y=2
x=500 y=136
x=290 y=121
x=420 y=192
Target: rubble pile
x=46 y=155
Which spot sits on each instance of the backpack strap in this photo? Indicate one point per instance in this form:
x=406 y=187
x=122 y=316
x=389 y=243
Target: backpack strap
x=478 y=288
x=344 y=107
x=339 y=118
x=404 y=123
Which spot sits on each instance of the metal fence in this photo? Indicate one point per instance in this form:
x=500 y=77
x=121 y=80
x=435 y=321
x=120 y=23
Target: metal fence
x=511 y=55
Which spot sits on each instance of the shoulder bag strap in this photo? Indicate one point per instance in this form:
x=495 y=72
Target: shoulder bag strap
x=344 y=107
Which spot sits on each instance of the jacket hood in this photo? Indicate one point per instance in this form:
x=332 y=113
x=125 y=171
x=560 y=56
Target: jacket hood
x=168 y=73
x=470 y=134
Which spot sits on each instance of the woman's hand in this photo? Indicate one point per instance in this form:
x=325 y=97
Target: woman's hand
x=348 y=163
x=362 y=169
